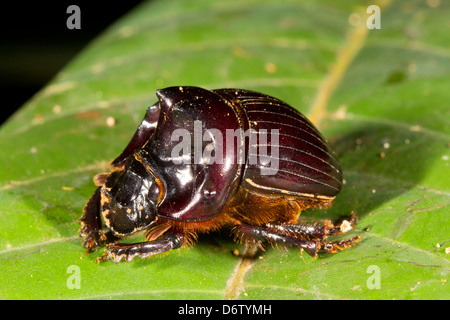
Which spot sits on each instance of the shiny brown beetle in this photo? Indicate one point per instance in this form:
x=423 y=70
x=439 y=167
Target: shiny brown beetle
x=176 y=189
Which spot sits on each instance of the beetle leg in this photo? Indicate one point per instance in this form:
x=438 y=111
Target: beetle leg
x=333 y=247
x=141 y=136
x=255 y=234
x=314 y=231
x=302 y=230
x=91 y=223
x=304 y=236
x=128 y=251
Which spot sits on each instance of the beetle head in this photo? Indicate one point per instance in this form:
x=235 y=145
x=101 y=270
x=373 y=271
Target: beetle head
x=129 y=198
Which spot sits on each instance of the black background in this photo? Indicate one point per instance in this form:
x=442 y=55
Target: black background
x=35 y=42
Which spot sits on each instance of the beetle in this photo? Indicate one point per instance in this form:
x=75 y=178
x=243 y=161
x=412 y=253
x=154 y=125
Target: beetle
x=153 y=188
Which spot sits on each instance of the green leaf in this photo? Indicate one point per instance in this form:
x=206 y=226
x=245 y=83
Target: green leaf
x=379 y=96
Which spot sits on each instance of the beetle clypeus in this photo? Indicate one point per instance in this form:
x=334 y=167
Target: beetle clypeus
x=173 y=200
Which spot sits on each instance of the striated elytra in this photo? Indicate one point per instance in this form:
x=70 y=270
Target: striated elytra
x=202 y=160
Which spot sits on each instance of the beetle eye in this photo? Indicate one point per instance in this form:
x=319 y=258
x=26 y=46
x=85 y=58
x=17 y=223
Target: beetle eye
x=153 y=193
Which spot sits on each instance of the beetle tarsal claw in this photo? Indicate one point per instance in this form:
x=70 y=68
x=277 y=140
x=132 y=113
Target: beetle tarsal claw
x=93 y=240
x=110 y=255
x=117 y=253
x=104 y=257
x=114 y=253
x=333 y=247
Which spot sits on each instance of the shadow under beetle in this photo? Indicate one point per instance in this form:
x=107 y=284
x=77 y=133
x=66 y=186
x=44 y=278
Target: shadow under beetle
x=175 y=200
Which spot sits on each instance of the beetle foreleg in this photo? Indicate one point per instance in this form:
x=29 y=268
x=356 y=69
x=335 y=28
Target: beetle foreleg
x=128 y=251
x=91 y=223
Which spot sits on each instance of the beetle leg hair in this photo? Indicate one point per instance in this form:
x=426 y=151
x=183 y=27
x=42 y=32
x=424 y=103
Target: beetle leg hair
x=128 y=251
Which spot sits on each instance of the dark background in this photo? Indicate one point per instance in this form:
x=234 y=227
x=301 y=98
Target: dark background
x=35 y=43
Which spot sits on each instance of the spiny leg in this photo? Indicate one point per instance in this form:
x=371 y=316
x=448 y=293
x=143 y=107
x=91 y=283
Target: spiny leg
x=91 y=223
x=316 y=231
x=335 y=246
x=128 y=251
x=300 y=237
x=306 y=230
x=303 y=230
x=254 y=234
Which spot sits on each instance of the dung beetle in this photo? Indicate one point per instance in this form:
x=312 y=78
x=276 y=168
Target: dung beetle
x=178 y=177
